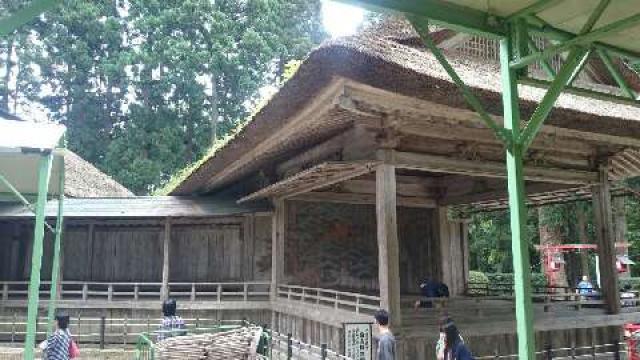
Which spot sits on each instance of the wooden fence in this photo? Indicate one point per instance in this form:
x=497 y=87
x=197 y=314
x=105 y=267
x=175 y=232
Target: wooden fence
x=613 y=351
x=285 y=347
x=359 y=303
x=99 y=331
x=549 y=296
x=210 y=291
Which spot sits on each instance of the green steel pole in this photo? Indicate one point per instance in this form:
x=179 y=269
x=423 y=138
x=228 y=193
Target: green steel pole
x=517 y=207
x=44 y=171
x=55 y=268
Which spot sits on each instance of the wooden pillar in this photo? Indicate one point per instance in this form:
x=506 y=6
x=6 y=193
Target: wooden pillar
x=61 y=266
x=90 y=234
x=444 y=247
x=605 y=239
x=166 y=249
x=278 y=234
x=388 y=248
x=464 y=237
x=620 y=225
x=14 y=260
x=453 y=252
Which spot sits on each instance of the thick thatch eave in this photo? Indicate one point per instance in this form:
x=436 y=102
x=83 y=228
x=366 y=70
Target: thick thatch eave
x=395 y=63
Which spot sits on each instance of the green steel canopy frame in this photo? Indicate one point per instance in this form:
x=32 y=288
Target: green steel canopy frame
x=598 y=26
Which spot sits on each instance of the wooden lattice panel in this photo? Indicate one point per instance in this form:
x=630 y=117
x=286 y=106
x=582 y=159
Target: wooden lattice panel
x=624 y=165
x=317 y=177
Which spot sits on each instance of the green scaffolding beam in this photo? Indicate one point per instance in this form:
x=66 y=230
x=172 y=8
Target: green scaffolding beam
x=44 y=173
x=57 y=246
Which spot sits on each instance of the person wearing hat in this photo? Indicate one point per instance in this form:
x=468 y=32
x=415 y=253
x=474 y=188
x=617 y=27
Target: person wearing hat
x=454 y=347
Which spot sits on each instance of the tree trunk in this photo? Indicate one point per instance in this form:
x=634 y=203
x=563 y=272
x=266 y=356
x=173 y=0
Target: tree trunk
x=214 y=109
x=9 y=64
x=583 y=238
x=551 y=234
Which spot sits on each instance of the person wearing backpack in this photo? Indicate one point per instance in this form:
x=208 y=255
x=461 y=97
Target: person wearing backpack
x=60 y=344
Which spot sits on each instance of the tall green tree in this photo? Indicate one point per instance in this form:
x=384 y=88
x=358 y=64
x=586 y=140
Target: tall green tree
x=146 y=86
x=197 y=68
x=490 y=241
x=81 y=57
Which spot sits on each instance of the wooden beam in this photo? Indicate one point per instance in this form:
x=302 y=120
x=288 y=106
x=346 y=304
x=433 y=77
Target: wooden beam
x=278 y=228
x=418 y=189
x=363 y=199
x=317 y=177
x=388 y=247
x=316 y=154
x=444 y=246
x=442 y=164
x=166 y=256
x=436 y=129
x=90 y=236
x=605 y=238
x=366 y=99
x=495 y=194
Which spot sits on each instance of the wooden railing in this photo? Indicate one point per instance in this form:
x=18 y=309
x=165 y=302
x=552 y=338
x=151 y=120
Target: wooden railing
x=100 y=331
x=116 y=291
x=358 y=303
x=550 y=296
x=240 y=291
x=284 y=347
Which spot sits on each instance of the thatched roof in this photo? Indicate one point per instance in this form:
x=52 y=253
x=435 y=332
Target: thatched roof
x=83 y=180
x=390 y=57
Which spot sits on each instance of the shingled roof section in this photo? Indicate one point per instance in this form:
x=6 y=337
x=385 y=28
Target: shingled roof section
x=390 y=57
x=83 y=180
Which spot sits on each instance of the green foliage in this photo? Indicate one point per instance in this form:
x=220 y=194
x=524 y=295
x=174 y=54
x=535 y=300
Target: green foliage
x=147 y=89
x=495 y=279
x=184 y=173
x=634 y=282
x=478 y=283
x=490 y=241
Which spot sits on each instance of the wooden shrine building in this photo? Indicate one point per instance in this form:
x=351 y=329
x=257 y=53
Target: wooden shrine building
x=368 y=148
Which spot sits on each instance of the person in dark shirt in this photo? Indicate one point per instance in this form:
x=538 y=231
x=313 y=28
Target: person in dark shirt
x=431 y=289
x=386 y=341
x=172 y=324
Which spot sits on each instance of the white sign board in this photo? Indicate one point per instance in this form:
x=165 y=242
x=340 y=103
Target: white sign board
x=357 y=341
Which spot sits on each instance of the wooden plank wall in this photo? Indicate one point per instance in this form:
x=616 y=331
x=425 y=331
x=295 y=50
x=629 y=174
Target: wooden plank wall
x=334 y=246
x=203 y=252
x=231 y=249
x=11 y=261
